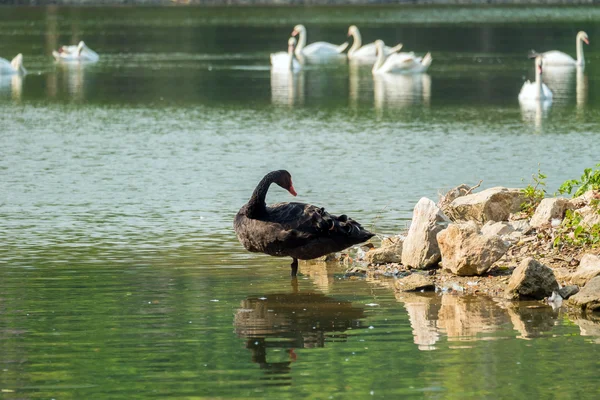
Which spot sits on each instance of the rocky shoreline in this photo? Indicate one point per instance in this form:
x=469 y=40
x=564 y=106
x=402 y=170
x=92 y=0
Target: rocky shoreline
x=483 y=243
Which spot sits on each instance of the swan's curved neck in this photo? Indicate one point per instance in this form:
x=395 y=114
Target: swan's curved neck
x=379 y=61
x=580 y=58
x=256 y=204
x=538 y=82
x=356 y=43
x=290 y=65
x=301 y=41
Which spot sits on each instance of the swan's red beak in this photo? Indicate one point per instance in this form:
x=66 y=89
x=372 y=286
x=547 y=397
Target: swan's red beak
x=586 y=40
x=292 y=190
x=294 y=32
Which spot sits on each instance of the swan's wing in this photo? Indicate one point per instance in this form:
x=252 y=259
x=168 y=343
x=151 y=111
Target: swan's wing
x=547 y=92
x=6 y=67
x=366 y=51
x=279 y=57
x=323 y=49
x=527 y=91
x=89 y=54
x=555 y=57
x=399 y=62
x=307 y=222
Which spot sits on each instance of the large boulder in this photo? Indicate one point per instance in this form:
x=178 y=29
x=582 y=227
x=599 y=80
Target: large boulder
x=547 y=210
x=589 y=267
x=494 y=204
x=588 y=298
x=414 y=283
x=389 y=252
x=531 y=279
x=420 y=249
x=465 y=251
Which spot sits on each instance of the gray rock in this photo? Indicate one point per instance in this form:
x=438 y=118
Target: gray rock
x=494 y=204
x=467 y=252
x=521 y=226
x=547 y=210
x=531 y=279
x=414 y=283
x=389 y=252
x=589 y=267
x=497 y=228
x=588 y=298
x=420 y=249
x=568 y=291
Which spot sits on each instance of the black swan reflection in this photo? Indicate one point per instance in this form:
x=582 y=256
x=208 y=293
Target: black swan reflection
x=289 y=321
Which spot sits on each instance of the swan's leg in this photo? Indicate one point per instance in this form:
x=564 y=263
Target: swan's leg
x=294 y=267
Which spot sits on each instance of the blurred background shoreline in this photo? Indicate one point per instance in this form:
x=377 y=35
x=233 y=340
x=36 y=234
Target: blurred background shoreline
x=285 y=3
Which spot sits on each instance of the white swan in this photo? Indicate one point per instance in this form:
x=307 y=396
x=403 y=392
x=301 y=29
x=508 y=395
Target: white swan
x=12 y=67
x=555 y=57
x=399 y=63
x=366 y=52
x=537 y=90
x=286 y=61
x=76 y=53
x=316 y=49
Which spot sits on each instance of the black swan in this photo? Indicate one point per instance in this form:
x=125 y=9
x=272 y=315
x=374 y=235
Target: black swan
x=297 y=230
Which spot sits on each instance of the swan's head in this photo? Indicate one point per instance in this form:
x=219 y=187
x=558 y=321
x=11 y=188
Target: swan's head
x=80 y=47
x=352 y=30
x=583 y=36
x=17 y=63
x=284 y=179
x=298 y=29
x=291 y=43
x=538 y=63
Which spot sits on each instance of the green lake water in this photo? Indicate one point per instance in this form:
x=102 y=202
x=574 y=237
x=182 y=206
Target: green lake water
x=120 y=273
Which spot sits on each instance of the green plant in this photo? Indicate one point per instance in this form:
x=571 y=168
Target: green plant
x=588 y=181
x=533 y=193
x=573 y=231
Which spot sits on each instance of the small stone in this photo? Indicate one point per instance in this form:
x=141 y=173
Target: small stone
x=496 y=228
x=391 y=252
x=531 y=279
x=547 y=210
x=521 y=226
x=568 y=291
x=413 y=283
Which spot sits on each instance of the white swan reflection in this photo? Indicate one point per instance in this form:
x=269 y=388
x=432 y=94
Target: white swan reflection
x=11 y=86
x=287 y=88
x=535 y=112
x=567 y=81
x=399 y=91
x=70 y=78
x=581 y=88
